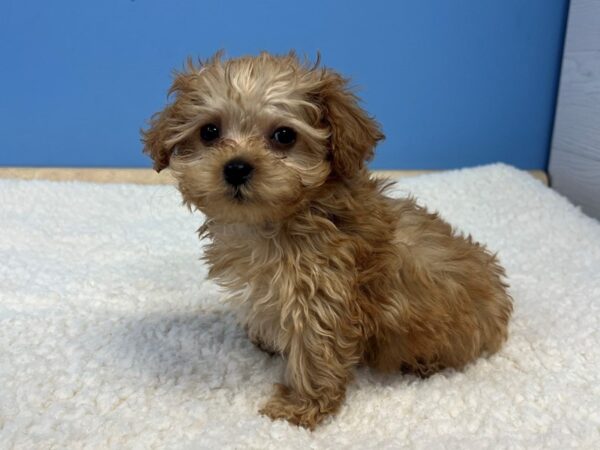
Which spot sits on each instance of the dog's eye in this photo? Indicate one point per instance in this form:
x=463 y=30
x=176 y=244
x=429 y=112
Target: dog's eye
x=284 y=137
x=209 y=132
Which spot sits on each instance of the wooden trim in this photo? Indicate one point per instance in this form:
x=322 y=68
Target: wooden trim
x=149 y=176
x=104 y=175
x=575 y=152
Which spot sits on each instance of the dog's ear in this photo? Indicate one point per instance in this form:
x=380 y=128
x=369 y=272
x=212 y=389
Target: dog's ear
x=168 y=127
x=155 y=137
x=354 y=134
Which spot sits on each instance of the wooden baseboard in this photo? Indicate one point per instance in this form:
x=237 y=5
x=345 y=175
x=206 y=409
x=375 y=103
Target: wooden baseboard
x=104 y=175
x=149 y=176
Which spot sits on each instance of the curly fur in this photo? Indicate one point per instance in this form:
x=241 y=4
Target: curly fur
x=321 y=265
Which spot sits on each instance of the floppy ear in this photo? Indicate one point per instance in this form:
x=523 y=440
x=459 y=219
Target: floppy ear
x=169 y=126
x=354 y=134
x=155 y=137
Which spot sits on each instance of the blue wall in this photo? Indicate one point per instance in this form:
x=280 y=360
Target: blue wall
x=454 y=83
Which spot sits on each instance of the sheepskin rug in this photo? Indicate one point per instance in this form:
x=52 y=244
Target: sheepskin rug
x=111 y=336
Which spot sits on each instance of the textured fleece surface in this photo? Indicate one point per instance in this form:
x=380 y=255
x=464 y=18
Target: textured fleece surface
x=111 y=337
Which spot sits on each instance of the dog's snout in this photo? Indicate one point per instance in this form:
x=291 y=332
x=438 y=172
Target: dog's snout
x=237 y=172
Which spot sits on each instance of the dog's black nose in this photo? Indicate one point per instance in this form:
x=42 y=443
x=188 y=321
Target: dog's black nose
x=237 y=172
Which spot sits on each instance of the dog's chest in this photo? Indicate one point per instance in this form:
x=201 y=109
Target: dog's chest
x=260 y=272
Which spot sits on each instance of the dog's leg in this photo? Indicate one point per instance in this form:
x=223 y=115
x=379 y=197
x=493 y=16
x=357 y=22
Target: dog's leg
x=321 y=355
x=260 y=343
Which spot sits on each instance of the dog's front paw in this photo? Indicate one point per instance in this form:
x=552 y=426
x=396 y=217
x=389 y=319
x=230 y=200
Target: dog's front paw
x=288 y=405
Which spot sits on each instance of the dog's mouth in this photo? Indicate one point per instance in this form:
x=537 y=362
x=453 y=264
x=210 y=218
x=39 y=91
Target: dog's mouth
x=241 y=194
x=238 y=195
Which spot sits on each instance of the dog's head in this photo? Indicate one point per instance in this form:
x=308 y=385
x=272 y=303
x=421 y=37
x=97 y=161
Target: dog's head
x=251 y=139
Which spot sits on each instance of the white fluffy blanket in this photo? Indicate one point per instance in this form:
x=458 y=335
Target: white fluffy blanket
x=110 y=336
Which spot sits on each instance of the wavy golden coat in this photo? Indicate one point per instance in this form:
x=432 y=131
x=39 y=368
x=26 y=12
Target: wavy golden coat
x=321 y=265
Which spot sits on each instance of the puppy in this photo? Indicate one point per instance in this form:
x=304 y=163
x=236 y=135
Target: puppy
x=321 y=265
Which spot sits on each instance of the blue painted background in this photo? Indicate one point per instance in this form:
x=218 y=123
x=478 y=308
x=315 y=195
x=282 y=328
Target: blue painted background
x=454 y=83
